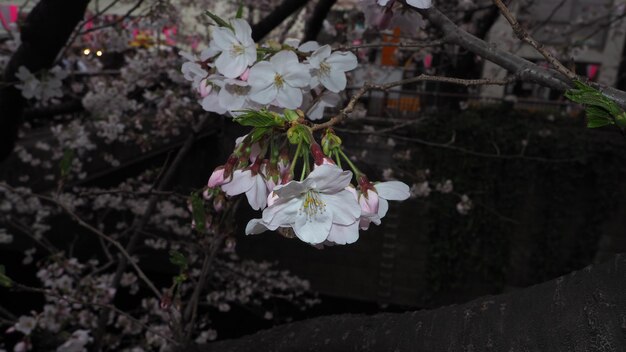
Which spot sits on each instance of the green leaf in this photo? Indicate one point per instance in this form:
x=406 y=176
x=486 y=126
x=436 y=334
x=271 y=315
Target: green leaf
x=4 y=280
x=258 y=133
x=197 y=211
x=261 y=118
x=597 y=117
x=218 y=20
x=178 y=259
x=601 y=111
x=240 y=11
x=66 y=162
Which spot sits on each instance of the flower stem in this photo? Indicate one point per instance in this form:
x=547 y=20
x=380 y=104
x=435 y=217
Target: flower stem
x=338 y=159
x=295 y=157
x=355 y=169
x=305 y=167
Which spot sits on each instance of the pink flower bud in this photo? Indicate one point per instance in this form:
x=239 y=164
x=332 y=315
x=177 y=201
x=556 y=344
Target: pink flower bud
x=218 y=203
x=166 y=301
x=369 y=202
x=217 y=177
x=204 y=88
x=244 y=76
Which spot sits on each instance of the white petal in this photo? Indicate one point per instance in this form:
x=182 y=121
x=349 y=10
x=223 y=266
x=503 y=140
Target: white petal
x=211 y=103
x=420 y=4
x=309 y=46
x=383 y=206
x=241 y=183
x=329 y=178
x=283 y=58
x=290 y=190
x=282 y=213
x=243 y=32
x=231 y=101
x=297 y=76
x=343 y=61
x=231 y=66
x=250 y=54
x=316 y=111
x=262 y=74
x=393 y=190
x=289 y=97
x=223 y=38
x=257 y=194
x=335 y=81
x=319 y=55
x=209 y=53
x=255 y=226
x=313 y=229
x=344 y=234
x=342 y=205
x=263 y=95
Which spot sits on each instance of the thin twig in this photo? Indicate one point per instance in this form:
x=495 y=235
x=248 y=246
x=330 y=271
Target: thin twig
x=343 y=113
x=523 y=35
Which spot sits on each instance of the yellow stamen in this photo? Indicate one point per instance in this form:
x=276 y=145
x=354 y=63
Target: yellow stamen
x=312 y=204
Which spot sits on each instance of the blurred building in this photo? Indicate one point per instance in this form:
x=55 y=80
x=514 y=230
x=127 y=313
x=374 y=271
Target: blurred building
x=588 y=35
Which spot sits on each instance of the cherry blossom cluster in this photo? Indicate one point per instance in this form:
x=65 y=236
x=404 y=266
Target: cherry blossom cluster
x=252 y=83
x=384 y=14
x=323 y=207
x=234 y=73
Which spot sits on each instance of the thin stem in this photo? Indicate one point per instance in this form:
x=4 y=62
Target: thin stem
x=295 y=158
x=355 y=169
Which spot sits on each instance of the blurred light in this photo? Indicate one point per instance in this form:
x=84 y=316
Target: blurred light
x=86 y=51
x=99 y=53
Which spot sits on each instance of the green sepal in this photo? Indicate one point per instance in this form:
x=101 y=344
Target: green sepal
x=291 y=115
x=5 y=281
x=197 y=211
x=218 y=20
x=240 y=11
x=299 y=133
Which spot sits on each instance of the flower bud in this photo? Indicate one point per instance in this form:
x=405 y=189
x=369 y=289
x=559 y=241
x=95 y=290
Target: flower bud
x=219 y=202
x=217 y=177
x=244 y=76
x=368 y=200
x=166 y=300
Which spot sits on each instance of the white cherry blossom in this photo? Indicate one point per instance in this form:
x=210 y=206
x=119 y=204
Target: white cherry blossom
x=279 y=80
x=317 y=208
x=329 y=68
x=252 y=184
x=238 y=50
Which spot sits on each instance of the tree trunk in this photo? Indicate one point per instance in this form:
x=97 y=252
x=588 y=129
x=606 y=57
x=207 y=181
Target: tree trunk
x=582 y=311
x=316 y=21
x=44 y=33
x=275 y=18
